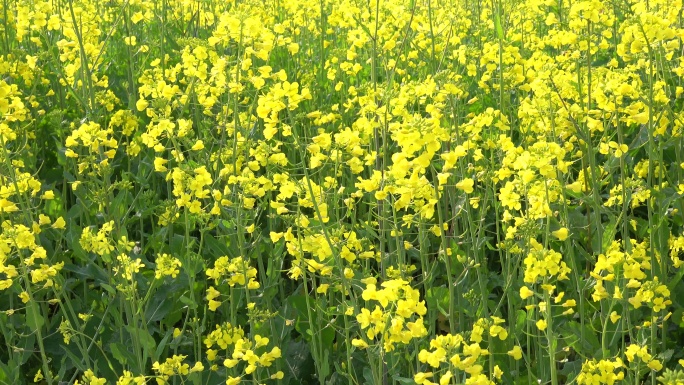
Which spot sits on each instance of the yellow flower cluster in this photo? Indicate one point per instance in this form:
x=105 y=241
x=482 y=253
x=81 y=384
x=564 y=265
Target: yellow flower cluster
x=173 y=366
x=166 y=265
x=189 y=188
x=128 y=379
x=601 y=372
x=239 y=349
x=544 y=264
x=633 y=267
x=12 y=189
x=640 y=352
x=655 y=294
x=322 y=248
x=459 y=355
x=18 y=240
x=235 y=271
x=398 y=319
x=89 y=378
x=99 y=243
x=97 y=141
x=12 y=109
x=281 y=96
x=365 y=138
x=127 y=266
x=676 y=245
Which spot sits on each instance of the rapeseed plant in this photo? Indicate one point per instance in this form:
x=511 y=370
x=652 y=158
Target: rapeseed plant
x=431 y=191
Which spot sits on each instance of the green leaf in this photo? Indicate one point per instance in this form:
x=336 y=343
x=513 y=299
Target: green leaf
x=301 y=314
x=3 y=373
x=26 y=345
x=404 y=380
x=608 y=236
x=327 y=337
x=299 y=362
x=34 y=319
x=162 y=344
x=188 y=302
x=178 y=244
x=120 y=352
x=145 y=339
x=368 y=376
x=499 y=28
x=121 y=203
x=325 y=366
x=586 y=346
x=217 y=248
x=78 y=362
x=438 y=297
x=73 y=237
x=520 y=318
x=195 y=378
x=674 y=280
x=160 y=305
x=571 y=369
x=108 y=288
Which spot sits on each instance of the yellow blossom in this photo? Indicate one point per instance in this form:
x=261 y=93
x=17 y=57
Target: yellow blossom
x=541 y=324
x=561 y=234
x=466 y=185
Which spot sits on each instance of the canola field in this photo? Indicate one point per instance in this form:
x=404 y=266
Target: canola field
x=341 y=192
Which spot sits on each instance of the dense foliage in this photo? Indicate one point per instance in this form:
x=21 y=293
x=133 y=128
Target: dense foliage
x=341 y=192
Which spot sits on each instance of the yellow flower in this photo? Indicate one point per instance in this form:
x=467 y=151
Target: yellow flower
x=541 y=324
x=655 y=365
x=498 y=372
x=166 y=265
x=446 y=378
x=498 y=330
x=137 y=17
x=53 y=23
x=634 y=350
x=141 y=104
x=516 y=352
x=159 y=164
x=230 y=363
x=525 y=292
x=570 y=303
x=59 y=223
x=561 y=234
x=48 y=195
x=466 y=185
x=359 y=343
x=278 y=375
x=7 y=206
x=614 y=317
x=421 y=378
x=364 y=318
x=44 y=219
